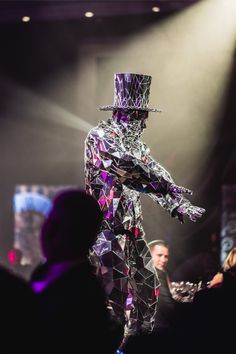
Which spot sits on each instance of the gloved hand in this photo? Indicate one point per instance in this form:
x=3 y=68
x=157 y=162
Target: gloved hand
x=178 y=189
x=193 y=212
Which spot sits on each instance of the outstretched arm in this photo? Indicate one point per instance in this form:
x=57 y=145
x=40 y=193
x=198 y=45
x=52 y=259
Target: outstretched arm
x=178 y=206
x=142 y=173
x=140 y=176
x=174 y=201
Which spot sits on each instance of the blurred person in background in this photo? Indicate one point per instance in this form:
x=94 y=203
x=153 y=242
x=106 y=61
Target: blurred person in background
x=71 y=301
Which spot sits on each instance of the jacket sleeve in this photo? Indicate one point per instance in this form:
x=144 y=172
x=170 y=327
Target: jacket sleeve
x=139 y=172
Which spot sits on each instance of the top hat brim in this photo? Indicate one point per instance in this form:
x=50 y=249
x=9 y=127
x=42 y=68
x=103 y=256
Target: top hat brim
x=111 y=108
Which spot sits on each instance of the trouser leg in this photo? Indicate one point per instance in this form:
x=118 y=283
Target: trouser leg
x=144 y=283
x=114 y=272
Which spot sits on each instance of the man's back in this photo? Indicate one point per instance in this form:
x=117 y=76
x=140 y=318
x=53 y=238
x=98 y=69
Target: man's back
x=73 y=311
x=18 y=314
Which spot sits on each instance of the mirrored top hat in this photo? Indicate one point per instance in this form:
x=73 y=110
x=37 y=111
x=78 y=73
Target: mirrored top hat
x=131 y=91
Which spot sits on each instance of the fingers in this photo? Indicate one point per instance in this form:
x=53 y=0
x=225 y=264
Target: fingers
x=179 y=189
x=199 y=211
x=195 y=212
x=187 y=191
x=192 y=218
x=202 y=210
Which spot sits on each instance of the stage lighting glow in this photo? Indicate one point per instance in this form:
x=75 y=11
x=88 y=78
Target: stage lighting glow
x=89 y=14
x=53 y=112
x=190 y=54
x=156 y=9
x=31 y=201
x=15 y=257
x=12 y=256
x=25 y=19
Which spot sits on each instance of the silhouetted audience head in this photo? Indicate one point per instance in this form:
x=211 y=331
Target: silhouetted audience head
x=71 y=227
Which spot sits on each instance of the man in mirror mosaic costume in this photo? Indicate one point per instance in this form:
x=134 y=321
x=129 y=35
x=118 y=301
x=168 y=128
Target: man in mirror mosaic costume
x=118 y=167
